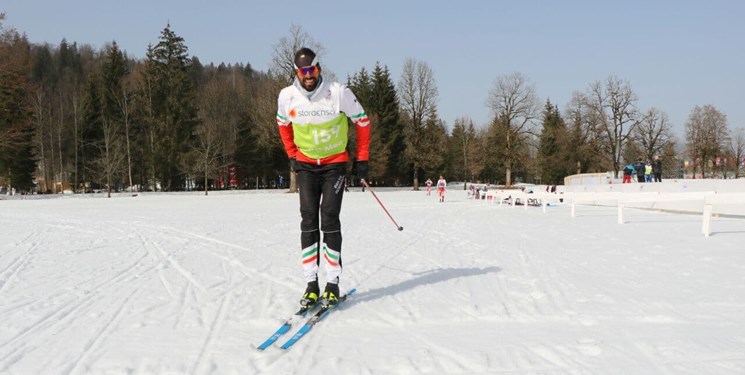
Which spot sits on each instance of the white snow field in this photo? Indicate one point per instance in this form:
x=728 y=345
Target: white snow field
x=191 y=284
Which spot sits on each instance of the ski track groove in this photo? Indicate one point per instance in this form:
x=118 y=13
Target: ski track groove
x=306 y=357
x=540 y=285
x=546 y=291
x=38 y=325
x=440 y=350
x=446 y=243
x=211 y=250
x=169 y=257
x=58 y=317
x=118 y=278
x=144 y=242
x=102 y=332
x=411 y=243
x=182 y=305
x=64 y=315
x=408 y=247
x=214 y=331
x=10 y=272
x=248 y=273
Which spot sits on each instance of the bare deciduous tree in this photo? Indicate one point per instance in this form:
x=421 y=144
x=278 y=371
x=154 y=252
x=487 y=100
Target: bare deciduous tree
x=737 y=149
x=112 y=154
x=220 y=104
x=7 y=138
x=283 y=52
x=124 y=102
x=582 y=136
x=706 y=134
x=418 y=93
x=261 y=118
x=514 y=104
x=39 y=119
x=613 y=109
x=654 y=133
x=205 y=156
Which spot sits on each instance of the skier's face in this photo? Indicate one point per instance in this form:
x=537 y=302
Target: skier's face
x=308 y=76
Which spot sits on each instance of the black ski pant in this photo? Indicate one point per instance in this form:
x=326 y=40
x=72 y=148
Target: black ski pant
x=321 y=192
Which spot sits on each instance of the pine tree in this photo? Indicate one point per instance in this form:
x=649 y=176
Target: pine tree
x=113 y=73
x=17 y=163
x=465 y=152
x=435 y=140
x=113 y=115
x=377 y=94
x=361 y=85
x=173 y=110
x=552 y=158
x=387 y=108
x=91 y=132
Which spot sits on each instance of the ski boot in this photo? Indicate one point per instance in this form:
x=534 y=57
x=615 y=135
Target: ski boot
x=330 y=295
x=311 y=294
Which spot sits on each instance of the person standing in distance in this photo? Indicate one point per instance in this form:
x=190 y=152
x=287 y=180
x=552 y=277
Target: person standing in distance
x=312 y=116
x=628 y=170
x=657 y=168
x=441 y=184
x=639 y=167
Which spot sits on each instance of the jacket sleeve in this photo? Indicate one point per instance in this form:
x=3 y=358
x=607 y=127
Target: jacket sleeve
x=353 y=109
x=285 y=127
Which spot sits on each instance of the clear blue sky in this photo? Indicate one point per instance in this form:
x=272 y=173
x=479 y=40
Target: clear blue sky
x=676 y=54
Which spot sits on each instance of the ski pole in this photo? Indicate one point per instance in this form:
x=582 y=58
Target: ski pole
x=400 y=228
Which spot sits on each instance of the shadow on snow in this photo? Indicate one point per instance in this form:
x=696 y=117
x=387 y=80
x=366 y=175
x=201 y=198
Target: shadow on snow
x=423 y=278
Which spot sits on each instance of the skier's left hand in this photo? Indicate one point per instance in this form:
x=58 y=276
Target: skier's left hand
x=362 y=169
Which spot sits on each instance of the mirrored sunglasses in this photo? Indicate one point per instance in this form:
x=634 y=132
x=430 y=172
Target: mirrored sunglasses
x=308 y=70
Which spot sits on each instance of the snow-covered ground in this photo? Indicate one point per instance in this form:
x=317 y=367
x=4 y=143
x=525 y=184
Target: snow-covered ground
x=187 y=283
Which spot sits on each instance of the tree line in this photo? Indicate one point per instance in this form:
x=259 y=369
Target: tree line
x=72 y=117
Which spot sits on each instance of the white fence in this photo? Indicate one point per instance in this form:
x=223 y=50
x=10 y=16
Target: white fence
x=707 y=203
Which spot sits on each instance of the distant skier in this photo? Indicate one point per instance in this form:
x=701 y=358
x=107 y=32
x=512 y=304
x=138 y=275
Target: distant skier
x=429 y=186
x=441 y=184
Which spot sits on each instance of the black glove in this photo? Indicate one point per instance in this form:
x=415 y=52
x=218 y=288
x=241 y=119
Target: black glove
x=293 y=164
x=362 y=169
